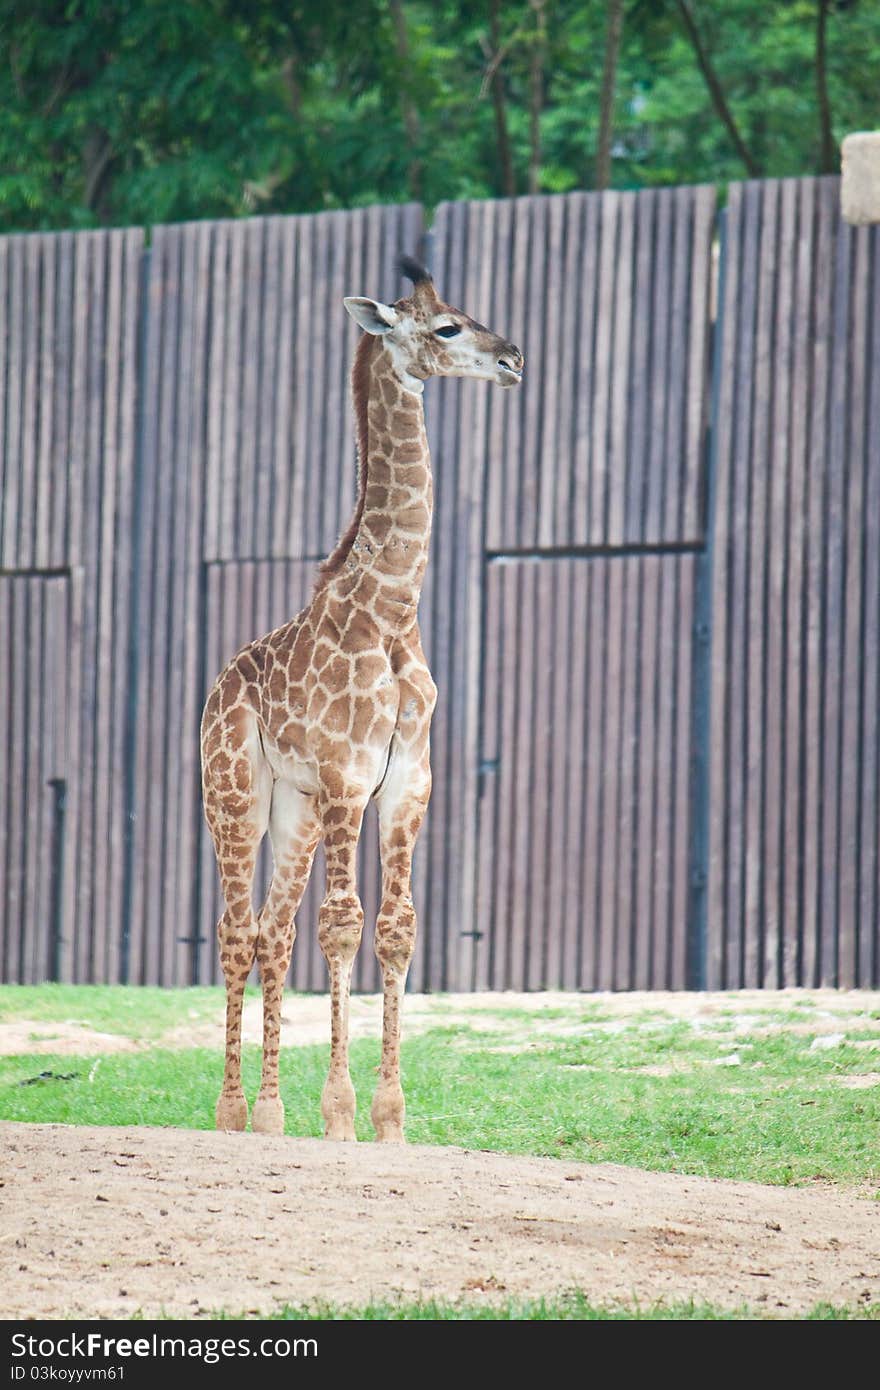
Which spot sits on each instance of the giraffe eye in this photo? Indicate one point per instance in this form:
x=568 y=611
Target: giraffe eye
x=449 y=330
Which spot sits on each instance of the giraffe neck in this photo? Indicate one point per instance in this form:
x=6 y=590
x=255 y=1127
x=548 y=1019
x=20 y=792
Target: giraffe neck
x=389 y=536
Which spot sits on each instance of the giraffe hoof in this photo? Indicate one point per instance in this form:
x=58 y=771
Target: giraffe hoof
x=390 y=1134
x=231 y=1113
x=340 y=1130
x=268 y=1115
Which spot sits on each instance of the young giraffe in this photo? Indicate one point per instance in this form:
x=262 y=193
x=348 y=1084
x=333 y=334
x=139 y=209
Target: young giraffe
x=305 y=725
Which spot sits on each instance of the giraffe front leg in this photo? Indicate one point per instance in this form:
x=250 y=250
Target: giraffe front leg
x=340 y=927
x=402 y=806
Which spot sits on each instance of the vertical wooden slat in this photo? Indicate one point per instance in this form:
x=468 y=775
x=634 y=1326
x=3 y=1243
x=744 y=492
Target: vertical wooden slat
x=284 y=252
x=91 y=933
x=834 y=518
x=443 y=418
x=869 y=788
x=34 y=794
x=6 y=698
x=63 y=366
x=812 y=636
x=194 y=379
x=464 y=541
x=487 y=810
x=171 y=692
x=246 y=460
x=848 y=925
x=585 y=290
x=15 y=353
x=502 y=848
x=681 y=270
x=28 y=438
x=647 y=789
x=596 y=579
x=682 y=576
x=658 y=462
x=6 y=339
x=625 y=848
x=142 y=617
x=614 y=525
x=756 y=481
x=573 y=833
x=546 y=265
x=791 y=851
x=568 y=345
x=560 y=769
x=544 y=797
x=214 y=392
x=662 y=925
x=639 y=395
x=601 y=404
x=699 y=290
x=775 y=508
x=110 y=482
x=17 y=817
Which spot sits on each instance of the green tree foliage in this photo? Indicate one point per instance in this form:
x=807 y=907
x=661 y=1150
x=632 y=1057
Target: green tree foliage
x=141 y=111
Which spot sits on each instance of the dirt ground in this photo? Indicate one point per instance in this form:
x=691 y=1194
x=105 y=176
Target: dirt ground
x=109 y=1222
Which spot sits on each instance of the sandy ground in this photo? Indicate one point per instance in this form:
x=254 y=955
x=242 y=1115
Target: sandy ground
x=110 y=1222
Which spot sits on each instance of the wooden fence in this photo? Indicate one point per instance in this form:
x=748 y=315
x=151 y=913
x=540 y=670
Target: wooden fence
x=652 y=608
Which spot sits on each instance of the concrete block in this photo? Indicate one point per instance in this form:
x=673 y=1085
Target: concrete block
x=860 y=184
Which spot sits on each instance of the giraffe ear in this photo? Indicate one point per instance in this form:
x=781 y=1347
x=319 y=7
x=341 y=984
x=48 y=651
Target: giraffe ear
x=372 y=316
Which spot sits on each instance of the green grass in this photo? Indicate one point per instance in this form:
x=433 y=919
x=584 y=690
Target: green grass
x=572 y=1307
x=780 y=1116
x=142 y=1014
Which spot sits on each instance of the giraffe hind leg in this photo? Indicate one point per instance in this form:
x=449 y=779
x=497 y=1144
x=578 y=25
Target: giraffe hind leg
x=294 y=832
x=237 y=788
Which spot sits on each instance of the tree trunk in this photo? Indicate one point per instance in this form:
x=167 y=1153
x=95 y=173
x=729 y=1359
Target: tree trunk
x=827 y=147
x=97 y=156
x=536 y=94
x=411 y=122
x=719 y=100
x=502 y=135
x=606 y=100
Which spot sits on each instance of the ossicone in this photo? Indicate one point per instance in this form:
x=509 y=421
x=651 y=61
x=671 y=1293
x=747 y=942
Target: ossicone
x=414 y=270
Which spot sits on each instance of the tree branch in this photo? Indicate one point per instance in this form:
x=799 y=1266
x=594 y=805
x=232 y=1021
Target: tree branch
x=97 y=156
x=715 y=90
x=493 y=79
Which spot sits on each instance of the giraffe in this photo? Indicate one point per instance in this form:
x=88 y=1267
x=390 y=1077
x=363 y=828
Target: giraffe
x=304 y=726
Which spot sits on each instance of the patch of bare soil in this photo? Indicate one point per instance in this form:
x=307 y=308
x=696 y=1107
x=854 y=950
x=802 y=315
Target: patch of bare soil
x=65 y=1039
x=106 y=1222
x=551 y=1014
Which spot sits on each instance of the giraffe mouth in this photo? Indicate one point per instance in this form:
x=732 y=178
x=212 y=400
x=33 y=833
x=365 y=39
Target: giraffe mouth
x=510 y=375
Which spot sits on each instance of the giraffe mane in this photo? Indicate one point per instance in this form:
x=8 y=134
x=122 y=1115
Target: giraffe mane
x=360 y=390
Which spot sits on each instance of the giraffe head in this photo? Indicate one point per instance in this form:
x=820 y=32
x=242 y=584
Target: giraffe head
x=427 y=337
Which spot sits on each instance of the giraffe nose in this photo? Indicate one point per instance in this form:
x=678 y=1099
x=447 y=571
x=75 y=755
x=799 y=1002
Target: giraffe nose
x=511 y=360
